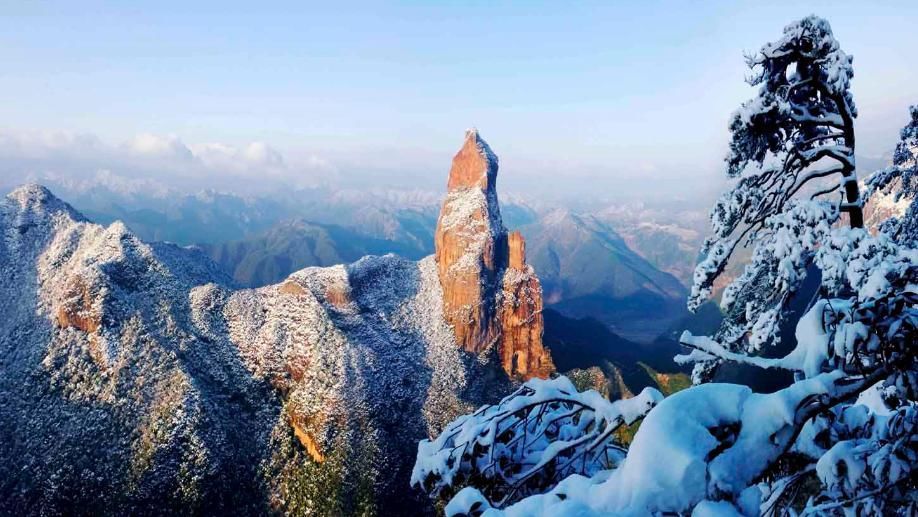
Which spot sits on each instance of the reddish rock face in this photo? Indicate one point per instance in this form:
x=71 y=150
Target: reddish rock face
x=474 y=166
x=517 y=251
x=76 y=309
x=490 y=295
x=521 y=350
x=468 y=242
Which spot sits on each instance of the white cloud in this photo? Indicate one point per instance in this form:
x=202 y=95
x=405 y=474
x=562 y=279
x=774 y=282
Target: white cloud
x=169 y=146
x=256 y=156
x=80 y=158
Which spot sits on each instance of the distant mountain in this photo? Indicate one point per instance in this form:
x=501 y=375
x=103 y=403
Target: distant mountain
x=157 y=213
x=883 y=205
x=270 y=256
x=212 y=217
x=668 y=237
x=588 y=270
x=669 y=247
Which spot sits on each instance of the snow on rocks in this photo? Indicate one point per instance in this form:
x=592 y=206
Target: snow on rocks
x=145 y=354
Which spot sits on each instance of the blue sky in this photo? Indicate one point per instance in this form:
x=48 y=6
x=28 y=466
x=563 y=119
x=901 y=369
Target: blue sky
x=574 y=97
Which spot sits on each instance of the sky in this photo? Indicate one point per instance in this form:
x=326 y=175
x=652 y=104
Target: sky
x=614 y=99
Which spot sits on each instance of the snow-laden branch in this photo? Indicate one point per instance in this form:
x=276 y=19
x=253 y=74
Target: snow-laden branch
x=708 y=443
x=816 y=345
x=529 y=441
x=711 y=350
x=815 y=174
x=802 y=115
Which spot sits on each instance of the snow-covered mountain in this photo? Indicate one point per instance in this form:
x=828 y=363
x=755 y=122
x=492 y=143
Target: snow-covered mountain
x=136 y=380
x=161 y=213
x=883 y=205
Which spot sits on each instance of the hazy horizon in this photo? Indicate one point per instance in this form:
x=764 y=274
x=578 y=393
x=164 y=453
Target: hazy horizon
x=595 y=101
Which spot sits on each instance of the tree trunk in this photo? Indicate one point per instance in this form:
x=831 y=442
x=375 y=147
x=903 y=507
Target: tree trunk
x=852 y=191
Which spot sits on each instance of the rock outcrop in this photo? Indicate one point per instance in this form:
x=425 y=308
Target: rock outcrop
x=522 y=353
x=490 y=295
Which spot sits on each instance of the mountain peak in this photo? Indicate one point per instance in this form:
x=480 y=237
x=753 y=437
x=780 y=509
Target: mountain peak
x=475 y=165
x=37 y=200
x=32 y=195
x=557 y=215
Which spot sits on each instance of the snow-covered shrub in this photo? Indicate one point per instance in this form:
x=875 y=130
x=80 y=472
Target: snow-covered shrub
x=863 y=451
x=533 y=438
x=841 y=439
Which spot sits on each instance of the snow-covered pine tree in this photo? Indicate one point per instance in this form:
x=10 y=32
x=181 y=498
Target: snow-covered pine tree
x=862 y=445
x=790 y=144
x=842 y=439
x=861 y=327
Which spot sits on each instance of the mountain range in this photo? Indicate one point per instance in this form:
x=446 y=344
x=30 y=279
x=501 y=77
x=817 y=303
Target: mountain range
x=139 y=377
x=291 y=245
x=135 y=379
x=625 y=265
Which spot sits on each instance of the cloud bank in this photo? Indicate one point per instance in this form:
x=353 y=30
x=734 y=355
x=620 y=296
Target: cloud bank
x=148 y=161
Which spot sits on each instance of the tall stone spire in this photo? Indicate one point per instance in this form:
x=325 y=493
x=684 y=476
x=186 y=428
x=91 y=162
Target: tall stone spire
x=490 y=295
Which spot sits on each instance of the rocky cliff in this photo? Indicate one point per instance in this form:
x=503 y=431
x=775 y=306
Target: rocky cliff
x=491 y=297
